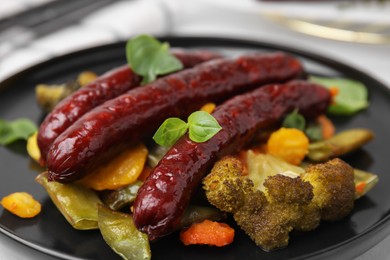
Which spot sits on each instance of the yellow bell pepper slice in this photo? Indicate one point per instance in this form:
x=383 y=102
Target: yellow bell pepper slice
x=21 y=204
x=32 y=147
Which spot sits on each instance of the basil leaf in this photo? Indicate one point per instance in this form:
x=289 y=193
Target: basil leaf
x=149 y=58
x=294 y=120
x=202 y=126
x=351 y=98
x=11 y=131
x=170 y=131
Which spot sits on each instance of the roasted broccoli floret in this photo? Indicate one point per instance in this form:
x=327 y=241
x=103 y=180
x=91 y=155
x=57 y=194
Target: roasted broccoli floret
x=333 y=187
x=288 y=201
x=282 y=205
x=226 y=188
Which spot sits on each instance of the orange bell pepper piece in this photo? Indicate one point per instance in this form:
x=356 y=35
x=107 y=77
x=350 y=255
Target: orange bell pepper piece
x=121 y=171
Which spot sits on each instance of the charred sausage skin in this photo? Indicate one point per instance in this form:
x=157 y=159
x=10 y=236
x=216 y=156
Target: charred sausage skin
x=100 y=133
x=106 y=87
x=109 y=85
x=165 y=194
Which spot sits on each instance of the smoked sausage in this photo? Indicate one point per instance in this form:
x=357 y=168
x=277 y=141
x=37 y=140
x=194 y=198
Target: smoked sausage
x=167 y=191
x=105 y=130
x=107 y=86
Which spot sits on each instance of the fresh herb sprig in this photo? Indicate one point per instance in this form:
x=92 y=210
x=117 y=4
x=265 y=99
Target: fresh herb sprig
x=149 y=58
x=19 y=129
x=352 y=95
x=295 y=120
x=201 y=127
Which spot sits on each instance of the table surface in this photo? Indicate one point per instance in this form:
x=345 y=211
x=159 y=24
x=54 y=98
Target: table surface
x=200 y=18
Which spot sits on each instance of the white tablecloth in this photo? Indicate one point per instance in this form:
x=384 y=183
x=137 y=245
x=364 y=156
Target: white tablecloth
x=227 y=18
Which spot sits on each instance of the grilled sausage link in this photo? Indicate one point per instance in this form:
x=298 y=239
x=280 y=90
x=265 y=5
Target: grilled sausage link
x=107 y=86
x=165 y=194
x=105 y=130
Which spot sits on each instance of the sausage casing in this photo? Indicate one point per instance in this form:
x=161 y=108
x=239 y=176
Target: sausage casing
x=103 y=131
x=165 y=194
x=106 y=87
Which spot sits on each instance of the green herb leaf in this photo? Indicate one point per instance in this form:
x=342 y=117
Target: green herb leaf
x=314 y=132
x=351 y=98
x=11 y=131
x=202 y=126
x=294 y=120
x=149 y=58
x=170 y=131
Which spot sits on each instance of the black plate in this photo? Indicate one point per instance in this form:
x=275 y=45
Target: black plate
x=50 y=233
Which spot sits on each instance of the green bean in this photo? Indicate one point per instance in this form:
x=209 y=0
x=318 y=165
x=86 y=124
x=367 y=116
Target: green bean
x=339 y=144
x=120 y=233
x=76 y=203
x=119 y=198
x=195 y=214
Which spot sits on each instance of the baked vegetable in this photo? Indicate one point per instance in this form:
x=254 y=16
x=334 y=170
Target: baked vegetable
x=208 y=233
x=287 y=200
x=121 y=235
x=165 y=194
x=21 y=204
x=76 y=203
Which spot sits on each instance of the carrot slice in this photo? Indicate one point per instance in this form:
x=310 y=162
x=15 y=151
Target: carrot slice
x=208 y=107
x=360 y=187
x=334 y=91
x=327 y=126
x=208 y=233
